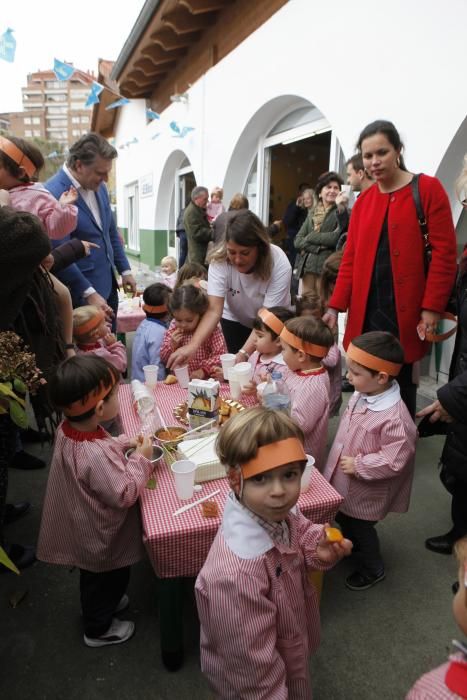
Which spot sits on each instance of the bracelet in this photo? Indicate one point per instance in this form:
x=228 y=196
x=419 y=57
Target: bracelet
x=244 y=352
x=70 y=346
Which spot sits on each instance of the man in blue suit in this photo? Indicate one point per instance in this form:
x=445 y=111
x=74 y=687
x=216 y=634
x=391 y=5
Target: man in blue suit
x=92 y=280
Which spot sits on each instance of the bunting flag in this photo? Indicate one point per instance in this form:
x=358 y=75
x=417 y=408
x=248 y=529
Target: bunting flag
x=118 y=103
x=8 y=46
x=152 y=115
x=63 y=71
x=180 y=132
x=93 y=97
x=54 y=154
x=155 y=136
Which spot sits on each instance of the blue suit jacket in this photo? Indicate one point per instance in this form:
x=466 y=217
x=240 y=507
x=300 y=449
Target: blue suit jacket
x=97 y=269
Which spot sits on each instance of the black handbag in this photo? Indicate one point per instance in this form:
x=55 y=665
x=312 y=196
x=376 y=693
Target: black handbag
x=421 y=222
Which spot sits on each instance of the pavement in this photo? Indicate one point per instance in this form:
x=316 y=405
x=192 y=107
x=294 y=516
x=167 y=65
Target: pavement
x=375 y=643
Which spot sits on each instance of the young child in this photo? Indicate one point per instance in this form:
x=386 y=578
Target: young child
x=305 y=341
x=150 y=333
x=258 y=613
x=267 y=356
x=449 y=681
x=90 y=517
x=20 y=163
x=187 y=305
x=169 y=270
x=310 y=304
x=192 y=272
x=215 y=206
x=371 y=461
x=92 y=335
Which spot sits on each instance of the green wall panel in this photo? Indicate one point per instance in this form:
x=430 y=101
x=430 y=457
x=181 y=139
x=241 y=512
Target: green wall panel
x=153 y=246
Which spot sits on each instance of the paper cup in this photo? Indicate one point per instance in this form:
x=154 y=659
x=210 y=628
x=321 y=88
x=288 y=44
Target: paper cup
x=184 y=475
x=243 y=371
x=150 y=374
x=234 y=384
x=227 y=361
x=306 y=476
x=183 y=376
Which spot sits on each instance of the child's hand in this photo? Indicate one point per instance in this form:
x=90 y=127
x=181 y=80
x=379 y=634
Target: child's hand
x=218 y=374
x=331 y=552
x=197 y=374
x=110 y=339
x=134 y=441
x=176 y=339
x=68 y=197
x=249 y=389
x=347 y=464
x=144 y=446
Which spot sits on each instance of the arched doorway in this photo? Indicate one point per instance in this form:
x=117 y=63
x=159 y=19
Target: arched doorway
x=177 y=181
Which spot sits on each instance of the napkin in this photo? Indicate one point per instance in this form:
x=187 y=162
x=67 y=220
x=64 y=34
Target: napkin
x=143 y=398
x=200 y=450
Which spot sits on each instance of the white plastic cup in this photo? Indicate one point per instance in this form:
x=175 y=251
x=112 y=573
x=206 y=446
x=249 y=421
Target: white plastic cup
x=227 y=361
x=184 y=474
x=150 y=374
x=306 y=476
x=234 y=384
x=183 y=376
x=244 y=372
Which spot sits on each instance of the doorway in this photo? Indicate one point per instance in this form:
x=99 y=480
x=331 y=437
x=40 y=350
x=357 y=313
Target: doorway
x=184 y=184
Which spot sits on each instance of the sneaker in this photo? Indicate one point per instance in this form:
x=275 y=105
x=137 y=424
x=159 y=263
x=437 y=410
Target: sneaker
x=360 y=582
x=123 y=604
x=119 y=631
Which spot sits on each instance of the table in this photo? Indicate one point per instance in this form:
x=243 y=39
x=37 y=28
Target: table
x=177 y=547
x=129 y=320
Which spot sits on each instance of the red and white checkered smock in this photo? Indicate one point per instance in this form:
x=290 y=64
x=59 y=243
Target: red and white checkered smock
x=310 y=409
x=90 y=517
x=207 y=357
x=262 y=367
x=58 y=220
x=114 y=353
x=383 y=444
x=432 y=685
x=258 y=613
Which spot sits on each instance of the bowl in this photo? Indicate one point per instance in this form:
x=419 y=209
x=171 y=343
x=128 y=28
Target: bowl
x=157 y=453
x=175 y=434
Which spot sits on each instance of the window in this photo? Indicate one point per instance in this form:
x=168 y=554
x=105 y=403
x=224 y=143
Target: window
x=77 y=105
x=37 y=132
x=75 y=120
x=52 y=84
x=132 y=204
x=27 y=120
x=75 y=132
x=36 y=120
x=84 y=120
x=54 y=123
x=28 y=132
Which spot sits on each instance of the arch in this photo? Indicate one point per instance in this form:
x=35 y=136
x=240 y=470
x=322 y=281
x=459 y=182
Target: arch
x=450 y=167
x=165 y=191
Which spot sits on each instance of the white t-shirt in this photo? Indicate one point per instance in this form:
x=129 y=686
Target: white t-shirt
x=245 y=294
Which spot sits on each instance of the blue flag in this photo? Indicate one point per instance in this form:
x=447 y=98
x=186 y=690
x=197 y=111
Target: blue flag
x=8 y=46
x=152 y=115
x=180 y=133
x=93 y=97
x=63 y=71
x=118 y=103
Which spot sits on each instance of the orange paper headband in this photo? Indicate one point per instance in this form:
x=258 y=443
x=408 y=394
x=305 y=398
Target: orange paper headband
x=271 y=321
x=17 y=156
x=77 y=408
x=303 y=345
x=154 y=309
x=365 y=359
x=274 y=455
x=90 y=325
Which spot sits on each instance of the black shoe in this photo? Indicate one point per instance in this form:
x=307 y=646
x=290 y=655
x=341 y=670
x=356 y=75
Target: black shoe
x=347 y=386
x=360 y=582
x=13 y=511
x=172 y=660
x=441 y=545
x=23 y=460
x=20 y=556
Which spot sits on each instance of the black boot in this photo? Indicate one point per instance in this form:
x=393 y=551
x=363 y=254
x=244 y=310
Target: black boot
x=442 y=544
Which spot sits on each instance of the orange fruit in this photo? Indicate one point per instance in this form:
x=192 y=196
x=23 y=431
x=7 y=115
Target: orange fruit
x=333 y=534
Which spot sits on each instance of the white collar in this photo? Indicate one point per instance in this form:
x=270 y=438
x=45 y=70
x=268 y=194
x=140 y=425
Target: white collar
x=73 y=179
x=278 y=359
x=382 y=401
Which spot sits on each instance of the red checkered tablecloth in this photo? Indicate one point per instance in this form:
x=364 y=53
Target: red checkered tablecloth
x=128 y=321
x=178 y=546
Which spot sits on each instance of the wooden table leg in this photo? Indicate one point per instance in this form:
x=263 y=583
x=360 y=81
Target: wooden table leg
x=171 y=622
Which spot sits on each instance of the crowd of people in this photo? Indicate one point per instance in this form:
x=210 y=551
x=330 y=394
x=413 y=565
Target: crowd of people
x=234 y=292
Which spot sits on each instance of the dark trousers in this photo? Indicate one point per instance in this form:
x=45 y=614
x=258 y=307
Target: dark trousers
x=112 y=301
x=100 y=594
x=183 y=248
x=8 y=434
x=235 y=334
x=408 y=389
x=365 y=540
x=459 y=510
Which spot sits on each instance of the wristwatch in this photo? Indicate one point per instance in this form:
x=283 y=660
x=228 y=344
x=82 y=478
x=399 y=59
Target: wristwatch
x=244 y=352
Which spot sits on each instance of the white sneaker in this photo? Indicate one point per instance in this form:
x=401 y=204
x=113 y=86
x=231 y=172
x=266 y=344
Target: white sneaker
x=123 y=604
x=119 y=631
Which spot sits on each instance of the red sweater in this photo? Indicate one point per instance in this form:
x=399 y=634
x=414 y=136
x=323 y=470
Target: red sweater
x=412 y=291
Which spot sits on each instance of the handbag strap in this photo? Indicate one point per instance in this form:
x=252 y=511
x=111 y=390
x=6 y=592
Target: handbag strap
x=420 y=213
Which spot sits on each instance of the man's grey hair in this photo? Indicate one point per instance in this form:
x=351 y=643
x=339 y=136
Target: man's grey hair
x=198 y=192
x=88 y=148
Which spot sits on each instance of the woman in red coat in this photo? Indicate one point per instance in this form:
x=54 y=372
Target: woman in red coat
x=381 y=279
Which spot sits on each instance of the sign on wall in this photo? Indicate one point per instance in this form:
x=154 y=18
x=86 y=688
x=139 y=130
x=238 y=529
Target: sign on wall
x=145 y=185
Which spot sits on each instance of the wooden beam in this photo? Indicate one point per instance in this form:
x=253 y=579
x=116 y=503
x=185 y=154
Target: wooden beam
x=183 y=22
x=168 y=40
x=132 y=90
x=199 y=7
x=148 y=68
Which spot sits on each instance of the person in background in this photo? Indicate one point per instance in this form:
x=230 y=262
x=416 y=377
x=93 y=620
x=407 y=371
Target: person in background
x=215 y=206
x=92 y=336
x=294 y=217
x=192 y=271
x=92 y=280
x=238 y=201
x=359 y=181
x=150 y=333
x=254 y=580
x=169 y=271
x=181 y=235
x=198 y=230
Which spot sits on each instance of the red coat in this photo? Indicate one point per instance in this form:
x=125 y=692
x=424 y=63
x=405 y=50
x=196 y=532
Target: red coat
x=412 y=292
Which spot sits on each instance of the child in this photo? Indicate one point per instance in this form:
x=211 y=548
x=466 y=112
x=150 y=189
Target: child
x=169 y=270
x=449 y=681
x=310 y=304
x=258 y=613
x=90 y=517
x=189 y=272
x=150 y=333
x=371 y=461
x=215 y=206
x=267 y=356
x=92 y=335
x=305 y=341
x=20 y=163
x=188 y=304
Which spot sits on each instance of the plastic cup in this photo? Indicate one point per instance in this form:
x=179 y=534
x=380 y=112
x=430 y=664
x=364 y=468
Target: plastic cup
x=183 y=376
x=244 y=371
x=234 y=384
x=150 y=374
x=227 y=361
x=306 y=476
x=184 y=474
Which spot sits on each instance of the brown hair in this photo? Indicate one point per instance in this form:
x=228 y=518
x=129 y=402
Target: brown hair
x=312 y=330
x=189 y=297
x=380 y=344
x=282 y=314
x=29 y=150
x=189 y=271
x=88 y=148
x=329 y=275
x=309 y=301
x=238 y=201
